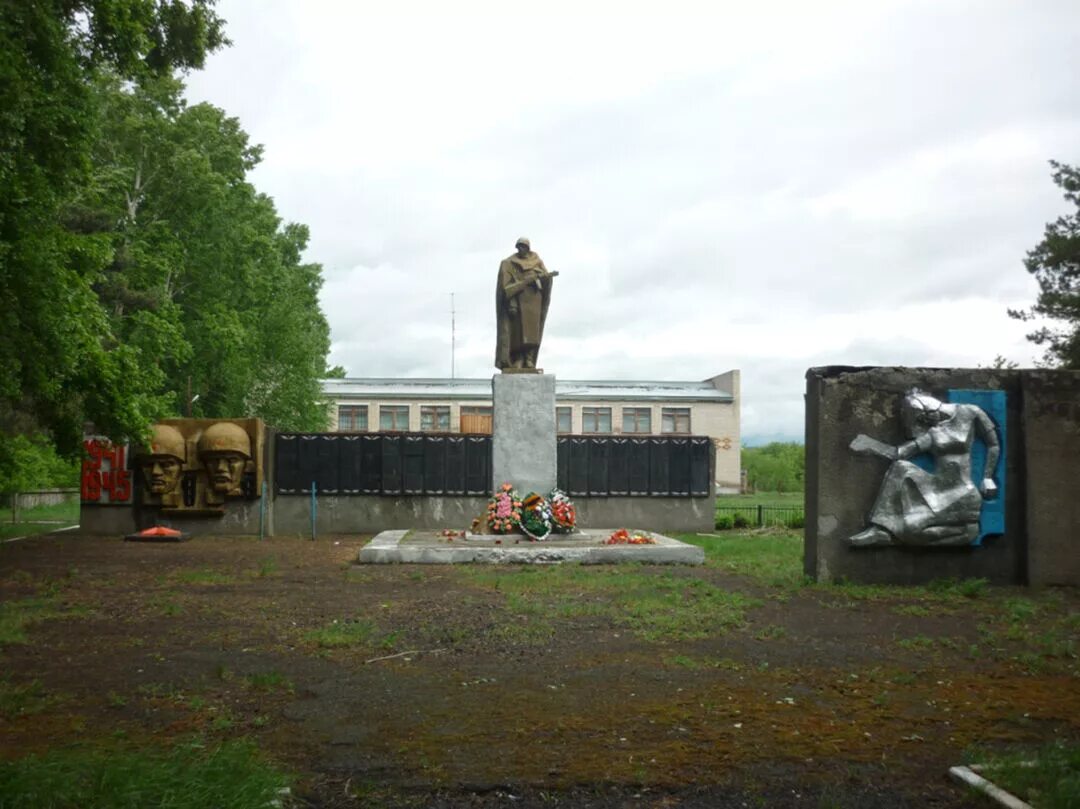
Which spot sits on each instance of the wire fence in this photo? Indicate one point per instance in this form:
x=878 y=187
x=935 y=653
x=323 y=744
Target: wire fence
x=760 y=516
x=45 y=506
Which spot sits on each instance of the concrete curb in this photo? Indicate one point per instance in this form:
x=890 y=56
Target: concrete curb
x=431 y=549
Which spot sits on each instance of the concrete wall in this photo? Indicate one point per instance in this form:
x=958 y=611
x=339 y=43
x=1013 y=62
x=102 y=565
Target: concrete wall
x=361 y=514
x=1052 y=461
x=841 y=486
x=106 y=520
x=241 y=518
x=1042 y=476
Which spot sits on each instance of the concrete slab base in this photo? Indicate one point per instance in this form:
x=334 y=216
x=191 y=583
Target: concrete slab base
x=582 y=547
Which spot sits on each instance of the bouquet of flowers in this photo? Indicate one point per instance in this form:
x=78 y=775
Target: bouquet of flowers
x=563 y=513
x=623 y=537
x=535 y=517
x=504 y=510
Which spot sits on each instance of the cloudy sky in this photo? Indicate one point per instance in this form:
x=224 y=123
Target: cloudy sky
x=764 y=186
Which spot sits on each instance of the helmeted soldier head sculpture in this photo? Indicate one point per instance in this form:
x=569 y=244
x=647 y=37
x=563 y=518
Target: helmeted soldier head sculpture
x=163 y=460
x=225 y=449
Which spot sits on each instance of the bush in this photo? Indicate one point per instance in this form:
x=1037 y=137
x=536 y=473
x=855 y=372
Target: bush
x=724 y=522
x=798 y=521
x=740 y=521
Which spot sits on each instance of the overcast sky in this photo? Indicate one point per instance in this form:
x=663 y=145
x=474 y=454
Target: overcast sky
x=762 y=186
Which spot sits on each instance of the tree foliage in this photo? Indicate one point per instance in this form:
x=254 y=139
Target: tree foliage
x=1055 y=263
x=775 y=467
x=59 y=361
x=134 y=254
x=204 y=275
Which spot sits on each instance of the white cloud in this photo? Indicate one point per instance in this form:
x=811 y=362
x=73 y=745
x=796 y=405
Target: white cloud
x=763 y=186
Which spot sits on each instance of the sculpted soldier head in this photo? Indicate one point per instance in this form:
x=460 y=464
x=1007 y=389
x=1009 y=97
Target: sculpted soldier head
x=224 y=450
x=162 y=464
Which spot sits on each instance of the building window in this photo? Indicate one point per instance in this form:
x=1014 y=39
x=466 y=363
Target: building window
x=675 y=420
x=351 y=418
x=563 y=419
x=637 y=419
x=476 y=420
x=394 y=418
x=435 y=418
x=596 y=419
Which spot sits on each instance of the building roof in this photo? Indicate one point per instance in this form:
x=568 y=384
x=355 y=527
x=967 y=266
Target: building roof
x=565 y=389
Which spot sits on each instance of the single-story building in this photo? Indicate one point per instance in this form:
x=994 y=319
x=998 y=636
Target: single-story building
x=582 y=407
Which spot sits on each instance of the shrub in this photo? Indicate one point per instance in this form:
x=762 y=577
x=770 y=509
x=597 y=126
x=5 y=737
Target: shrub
x=740 y=521
x=798 y=521
x=724 y=522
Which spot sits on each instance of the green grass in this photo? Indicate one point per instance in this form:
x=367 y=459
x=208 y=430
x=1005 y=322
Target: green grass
x=38 y=520
x=772 y=499
x=1048 y=778
x=269 y=681
x=205 y=576
x=773 y=558
x=16 y=616
x=22 y=699
x=343 y=633
x=185 y=777
x=654 y=606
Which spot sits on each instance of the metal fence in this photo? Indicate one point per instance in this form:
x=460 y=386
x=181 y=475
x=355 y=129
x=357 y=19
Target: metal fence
x=45 y=506
x=763 y=516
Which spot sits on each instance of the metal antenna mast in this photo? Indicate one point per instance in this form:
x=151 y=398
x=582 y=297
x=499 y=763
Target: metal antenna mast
x=453 y=335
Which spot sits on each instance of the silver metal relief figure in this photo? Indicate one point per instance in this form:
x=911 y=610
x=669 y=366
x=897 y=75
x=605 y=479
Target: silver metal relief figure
x=940 y=507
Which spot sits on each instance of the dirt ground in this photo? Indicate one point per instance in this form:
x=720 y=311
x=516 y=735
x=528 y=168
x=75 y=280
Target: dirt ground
x=452 y=686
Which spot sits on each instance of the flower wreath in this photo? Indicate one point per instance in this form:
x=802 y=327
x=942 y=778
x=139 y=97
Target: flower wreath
x=504 y=510
x=563 y=512
x=535 y=517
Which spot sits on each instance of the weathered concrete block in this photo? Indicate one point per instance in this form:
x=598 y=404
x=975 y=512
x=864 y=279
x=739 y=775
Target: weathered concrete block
x=523 y=432
x=841 y=486
x=368 y=514
x=1052 y=460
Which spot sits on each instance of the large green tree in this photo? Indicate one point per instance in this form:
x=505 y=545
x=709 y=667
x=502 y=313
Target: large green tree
x=204 y=277
x=137 y=263
x=776 y=467
x=60 y=360
x=1055 y=263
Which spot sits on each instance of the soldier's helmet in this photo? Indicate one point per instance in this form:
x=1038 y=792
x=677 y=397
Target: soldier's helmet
x=225 y=437
x=166 y=440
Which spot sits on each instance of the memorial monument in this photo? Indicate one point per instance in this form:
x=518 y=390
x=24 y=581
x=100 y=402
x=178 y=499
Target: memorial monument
x=939 y=504
x=523 y=423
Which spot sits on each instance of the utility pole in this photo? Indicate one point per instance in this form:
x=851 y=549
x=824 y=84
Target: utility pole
x=453 y=335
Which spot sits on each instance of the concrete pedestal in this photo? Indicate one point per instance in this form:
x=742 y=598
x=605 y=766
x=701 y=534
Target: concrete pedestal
x=523 y=432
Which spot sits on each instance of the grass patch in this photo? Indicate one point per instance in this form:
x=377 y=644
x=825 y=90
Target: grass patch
x=772 y=558
x=343 y=633
x=186 y=777
x=17 y=616
x=769 y=499
x=38 y=520
x=1048 y=778
x=269 y=681
x=267 y=568
x=655 y=606
x=23 y=699
x=205 y=576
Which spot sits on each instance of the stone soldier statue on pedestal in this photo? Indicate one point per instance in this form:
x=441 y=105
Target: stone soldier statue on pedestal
x=522 y=296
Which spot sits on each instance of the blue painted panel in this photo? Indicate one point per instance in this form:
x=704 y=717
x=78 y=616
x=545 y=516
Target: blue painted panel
x=992 y=519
